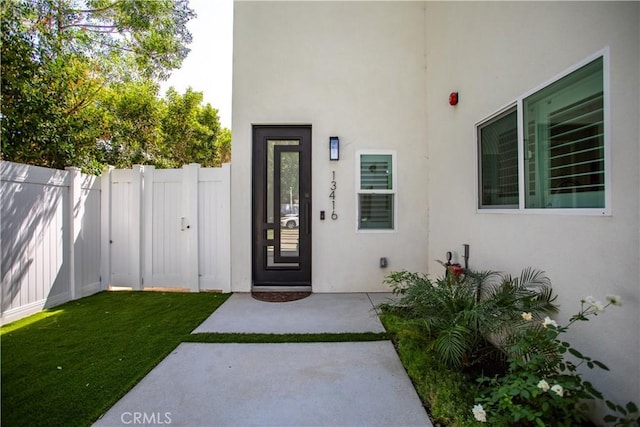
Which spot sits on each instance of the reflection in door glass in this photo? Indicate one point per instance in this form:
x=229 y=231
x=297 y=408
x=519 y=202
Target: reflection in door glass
x=289 y=202
x=270 y=176
x=283 y=213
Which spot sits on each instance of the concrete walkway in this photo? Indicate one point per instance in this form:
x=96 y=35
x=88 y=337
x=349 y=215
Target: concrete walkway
x=333 y=313
x=311 y=384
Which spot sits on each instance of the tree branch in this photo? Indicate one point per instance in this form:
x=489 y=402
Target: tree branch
x=102 y=9
x=112 y=27
x=84 y=101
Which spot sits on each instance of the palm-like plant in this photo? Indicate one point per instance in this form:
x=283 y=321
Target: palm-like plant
x=471 y=316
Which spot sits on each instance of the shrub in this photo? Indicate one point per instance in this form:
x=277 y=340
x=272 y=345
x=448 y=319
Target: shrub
x=468 y=316
x=473 y=319
x=541 y=387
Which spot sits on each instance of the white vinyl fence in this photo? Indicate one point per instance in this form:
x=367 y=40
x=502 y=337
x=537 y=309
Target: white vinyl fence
x=169 y=227
x=65 y=235
x=49 y=237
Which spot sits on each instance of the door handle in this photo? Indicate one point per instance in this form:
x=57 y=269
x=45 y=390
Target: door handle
x=307 y=217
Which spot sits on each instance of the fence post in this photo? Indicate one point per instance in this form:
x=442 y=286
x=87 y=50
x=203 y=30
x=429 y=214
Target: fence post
x=76 y=210
x=190 y=270
x=105 y=228
x=136 y=226
x=147 y=223
x=225 y=215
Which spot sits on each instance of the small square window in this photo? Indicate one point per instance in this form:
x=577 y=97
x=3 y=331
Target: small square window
x=376 y=191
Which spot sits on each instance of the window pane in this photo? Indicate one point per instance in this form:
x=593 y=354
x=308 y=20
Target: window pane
x=375 y=172
x=564 y=135
x=271 y=214
x=499 y=162
x=375 y=211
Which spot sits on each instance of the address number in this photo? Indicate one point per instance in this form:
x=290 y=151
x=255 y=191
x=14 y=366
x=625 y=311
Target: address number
x=332 y=195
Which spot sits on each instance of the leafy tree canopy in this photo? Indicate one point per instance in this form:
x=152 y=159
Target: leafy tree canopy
x=79 y=85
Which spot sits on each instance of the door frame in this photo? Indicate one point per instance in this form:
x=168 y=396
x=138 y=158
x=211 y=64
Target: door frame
x=262 y=273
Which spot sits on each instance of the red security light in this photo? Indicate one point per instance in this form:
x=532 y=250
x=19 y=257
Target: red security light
x=453 y=98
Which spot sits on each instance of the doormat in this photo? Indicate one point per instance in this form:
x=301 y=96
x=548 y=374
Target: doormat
x=279 y=296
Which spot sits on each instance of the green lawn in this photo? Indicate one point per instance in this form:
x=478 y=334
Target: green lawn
x=68 y=365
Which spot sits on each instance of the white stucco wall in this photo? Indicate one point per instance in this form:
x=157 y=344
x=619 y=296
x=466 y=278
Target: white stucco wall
x=492 y=53
x=378 y=75
x=353 y=70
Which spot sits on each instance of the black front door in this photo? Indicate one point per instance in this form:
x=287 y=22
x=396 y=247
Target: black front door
x=282 y=205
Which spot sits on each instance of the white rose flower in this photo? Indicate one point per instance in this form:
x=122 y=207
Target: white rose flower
x=548 y=321
x=614 y=299
x=592 y=302
x=543 y=385
x=479 y=413
x=598 y=306
x=557 y=389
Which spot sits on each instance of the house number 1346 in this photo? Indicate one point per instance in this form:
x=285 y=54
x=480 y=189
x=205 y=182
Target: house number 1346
x=332 y=196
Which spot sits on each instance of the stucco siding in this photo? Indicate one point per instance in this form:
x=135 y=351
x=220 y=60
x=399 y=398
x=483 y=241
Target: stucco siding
x=378 y=75
x=494 y=53
x=352 y=69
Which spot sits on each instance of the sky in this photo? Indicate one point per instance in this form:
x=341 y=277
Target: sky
x=207 y=68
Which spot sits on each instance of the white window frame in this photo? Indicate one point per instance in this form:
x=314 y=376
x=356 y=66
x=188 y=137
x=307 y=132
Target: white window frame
x=393 y=191
x=503 y=111
x=606 y=211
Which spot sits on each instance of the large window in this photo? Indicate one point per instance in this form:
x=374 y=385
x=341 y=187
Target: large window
x=376 y=190
x=557 y=159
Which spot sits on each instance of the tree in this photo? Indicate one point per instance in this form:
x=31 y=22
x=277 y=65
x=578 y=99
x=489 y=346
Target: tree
x=58 y=56
x=150 y=36
x=224 y=147
x=135 y=126
x=190 y=130
x=130 y=122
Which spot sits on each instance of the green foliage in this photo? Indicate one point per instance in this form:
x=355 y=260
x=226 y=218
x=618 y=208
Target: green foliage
x=459 y=318
x=469 y=316
x=191 y=131
x=627 y=416
x=131 y=116
x=542 y=386
x=260 y=338
x=68 y=365
x=443 y=390
x=79 y=86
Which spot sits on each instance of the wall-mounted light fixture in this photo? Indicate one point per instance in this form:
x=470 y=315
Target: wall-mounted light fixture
x=334 y=148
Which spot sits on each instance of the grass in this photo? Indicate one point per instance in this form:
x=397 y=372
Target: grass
x=447 y=394
x=67 y=366
x=285 y=338
x=70 y=364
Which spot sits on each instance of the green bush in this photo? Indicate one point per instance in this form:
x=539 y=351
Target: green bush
x=469 y=316
x=541 y=386
x=451 y=332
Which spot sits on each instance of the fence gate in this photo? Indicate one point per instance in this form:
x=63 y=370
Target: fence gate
x=124 y=242
x=170 y=228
